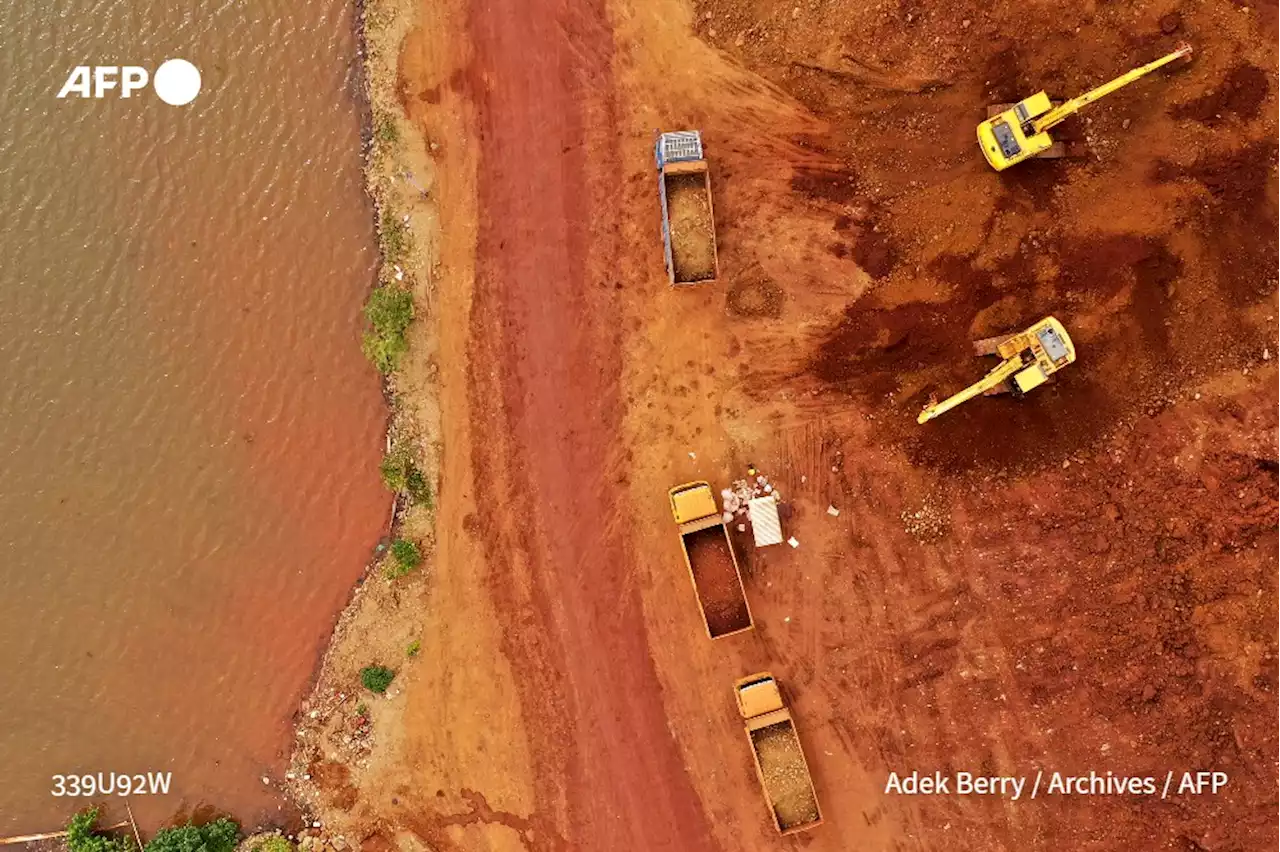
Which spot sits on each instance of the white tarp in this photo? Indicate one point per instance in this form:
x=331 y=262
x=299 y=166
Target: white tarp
x=766 y=526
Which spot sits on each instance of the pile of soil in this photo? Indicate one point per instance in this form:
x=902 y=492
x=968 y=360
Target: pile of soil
x=693 y=239
x=717 y=581
x=1241 y=95
x=782 y=765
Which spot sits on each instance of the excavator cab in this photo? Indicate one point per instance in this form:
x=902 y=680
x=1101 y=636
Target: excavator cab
x=1009 y=136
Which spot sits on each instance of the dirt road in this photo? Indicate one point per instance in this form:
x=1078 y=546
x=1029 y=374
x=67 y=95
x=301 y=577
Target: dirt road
x=559 y=552
x=1084 y=580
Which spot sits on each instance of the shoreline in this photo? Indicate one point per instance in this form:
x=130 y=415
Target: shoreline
x=333 y=731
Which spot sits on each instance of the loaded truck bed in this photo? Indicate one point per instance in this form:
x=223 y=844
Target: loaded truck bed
x=716 y=581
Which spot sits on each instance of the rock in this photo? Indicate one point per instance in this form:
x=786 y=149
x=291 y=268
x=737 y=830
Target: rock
x=1148 y=692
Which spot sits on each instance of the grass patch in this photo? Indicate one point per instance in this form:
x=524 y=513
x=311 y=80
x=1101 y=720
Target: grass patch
x=388 y=312
x=394 y=238
x=376 y=678
x=415 y=647
x=385 y=129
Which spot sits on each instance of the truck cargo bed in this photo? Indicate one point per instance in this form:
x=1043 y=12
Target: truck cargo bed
x=716 y=580
x=689 y=217
x=785 y=775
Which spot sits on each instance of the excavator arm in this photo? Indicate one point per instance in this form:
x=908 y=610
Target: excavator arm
x=1063 y=111
x=996 y=377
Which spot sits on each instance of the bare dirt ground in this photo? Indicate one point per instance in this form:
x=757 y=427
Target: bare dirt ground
x=1083 y=580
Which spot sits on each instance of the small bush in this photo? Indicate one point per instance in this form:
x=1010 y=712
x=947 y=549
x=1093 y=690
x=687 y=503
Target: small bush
x=274 y=843
x=376 y=678
x=406 y=553
x=81 y=836
x=401 y=474
x=221 y=835
x=418 y=488
x=414 y=648
x=389 y=312
x=362 y=710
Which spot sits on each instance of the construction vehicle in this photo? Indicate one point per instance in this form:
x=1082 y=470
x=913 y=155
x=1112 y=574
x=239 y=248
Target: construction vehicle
x=775 y=745
x=1028 y=359
x=712 y=564
x=1016 y=132
x=688 y=220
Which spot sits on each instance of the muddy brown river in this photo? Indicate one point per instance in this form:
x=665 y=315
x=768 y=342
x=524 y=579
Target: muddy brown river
x=189 y=434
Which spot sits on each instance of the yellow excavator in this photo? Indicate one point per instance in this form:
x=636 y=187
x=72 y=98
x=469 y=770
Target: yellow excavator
x=1028 y=359
x=1020 y=131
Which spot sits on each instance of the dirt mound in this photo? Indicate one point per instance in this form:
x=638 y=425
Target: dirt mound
x=755 y=296
x=1240 y=95
x=1239 y=228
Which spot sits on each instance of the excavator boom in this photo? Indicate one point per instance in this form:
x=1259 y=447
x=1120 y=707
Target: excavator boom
x=1059 y=113
x=995 y=378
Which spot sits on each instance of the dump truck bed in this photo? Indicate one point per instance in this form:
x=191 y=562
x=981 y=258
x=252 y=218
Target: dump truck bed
x=716 y=580
x=783 y=772
x=688 y=220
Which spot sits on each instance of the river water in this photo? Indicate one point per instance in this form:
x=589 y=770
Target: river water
x=189 y=435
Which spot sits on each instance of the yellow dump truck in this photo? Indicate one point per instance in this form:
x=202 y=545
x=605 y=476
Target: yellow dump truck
x=780 y=764
x=688 y=220
x=709 y=555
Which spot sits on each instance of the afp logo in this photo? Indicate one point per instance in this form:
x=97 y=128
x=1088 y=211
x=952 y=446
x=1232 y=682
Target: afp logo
x=176 y=81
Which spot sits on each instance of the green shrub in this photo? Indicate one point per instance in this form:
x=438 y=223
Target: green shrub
x=81 y=836
x=221 y=835
x=401 y=474
x=414 y=648
x=406 y=553
x=389 y=312
x=418 y=488
x=376 y=678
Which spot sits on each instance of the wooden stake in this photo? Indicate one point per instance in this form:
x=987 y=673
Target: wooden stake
x=48 y=835
x=136 y=836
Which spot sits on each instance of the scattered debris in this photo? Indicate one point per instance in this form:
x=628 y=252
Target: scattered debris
x=792 y=541
x=833 y=511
